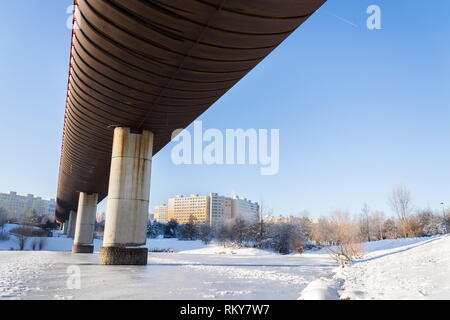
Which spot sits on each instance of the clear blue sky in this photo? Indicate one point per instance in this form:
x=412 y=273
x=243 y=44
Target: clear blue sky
x=359 y=111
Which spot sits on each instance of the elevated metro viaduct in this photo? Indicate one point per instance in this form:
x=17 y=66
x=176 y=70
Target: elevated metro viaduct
x=140 y=69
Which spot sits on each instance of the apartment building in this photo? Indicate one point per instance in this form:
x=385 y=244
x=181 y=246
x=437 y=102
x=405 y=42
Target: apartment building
x=181 y=208
x=214 y=209
x=220 y=209
x=162 y=213
x=17 y=206
x=245 y=209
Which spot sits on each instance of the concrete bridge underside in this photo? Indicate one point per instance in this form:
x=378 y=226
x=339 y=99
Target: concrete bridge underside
x=154 y=66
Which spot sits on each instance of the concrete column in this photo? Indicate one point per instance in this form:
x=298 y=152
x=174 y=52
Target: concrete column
x=128 y=199
x=64 y=228
x=84 y=230
x=71 y=224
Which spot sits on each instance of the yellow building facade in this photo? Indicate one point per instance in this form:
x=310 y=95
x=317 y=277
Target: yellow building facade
x=182 y=208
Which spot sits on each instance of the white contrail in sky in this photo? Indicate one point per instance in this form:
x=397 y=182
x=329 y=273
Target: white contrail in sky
x=342 y=19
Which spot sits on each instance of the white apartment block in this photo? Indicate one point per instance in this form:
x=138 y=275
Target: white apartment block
x=17 y=206
x=214 y=209
x=220 y=209
x=245 y=209
x=162 y=213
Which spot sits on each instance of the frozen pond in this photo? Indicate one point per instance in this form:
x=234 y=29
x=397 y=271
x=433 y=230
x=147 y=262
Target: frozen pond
x=54 y=275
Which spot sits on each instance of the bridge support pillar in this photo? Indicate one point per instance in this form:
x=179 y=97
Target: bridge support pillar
x=71 y=224
x=128 y=199
x=85 y=225
x=64 y=227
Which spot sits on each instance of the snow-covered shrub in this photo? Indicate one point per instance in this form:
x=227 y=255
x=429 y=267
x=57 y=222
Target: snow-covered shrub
x=23 y=233
x=223 y=235
x=413 y=227
x=4 y=236
x=38 y=244
x=346 y=237
x=206 y=233
x=28 y=231
x=155 y=229
x=21 y=240
x=391 y=229
x=189 y=231
x=283 y=238
x=344 y=253
x=171 y=229
x=3 y=218
x=323 y=232
x=432 y=224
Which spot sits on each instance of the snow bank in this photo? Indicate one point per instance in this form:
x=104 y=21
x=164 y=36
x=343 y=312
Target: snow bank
x=321 y=289
x=48 y=244
x=198 y=247
x=59 y=242
x=380 y=245
x=173 y=244
x=11 y=226
x=370 y=247
x=63 y=244
x=415 y=268
x=401 y=269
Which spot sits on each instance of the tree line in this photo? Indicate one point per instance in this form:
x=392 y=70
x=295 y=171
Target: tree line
x=338 y=232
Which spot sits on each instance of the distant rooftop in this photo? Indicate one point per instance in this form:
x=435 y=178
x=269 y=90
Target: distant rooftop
x=29 y=195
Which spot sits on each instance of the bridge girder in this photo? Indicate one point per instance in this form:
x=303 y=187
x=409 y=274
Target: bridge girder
x=157 y=65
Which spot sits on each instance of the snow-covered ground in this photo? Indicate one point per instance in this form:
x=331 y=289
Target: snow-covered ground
x=420 y=270
x=391 y=270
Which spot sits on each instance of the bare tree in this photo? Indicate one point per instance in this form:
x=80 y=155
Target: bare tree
x=3 y=218
x=189 y=230
x=239 y=230
x=377 y=221
x=364 y=222
x=447 y=220
x=31 y=217
x=348 y=246
x=400 y=202
x=206 y=233
x=390 y=229
x=223 y=234
x=306 y=226
x=323 y=233
x=21 y=236
x=260 y=226
x=283 y=240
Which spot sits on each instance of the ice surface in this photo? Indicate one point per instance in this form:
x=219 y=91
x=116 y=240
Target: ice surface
x=195 y=272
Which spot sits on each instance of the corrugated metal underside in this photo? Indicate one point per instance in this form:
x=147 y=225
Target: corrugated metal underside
x=157 y=65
